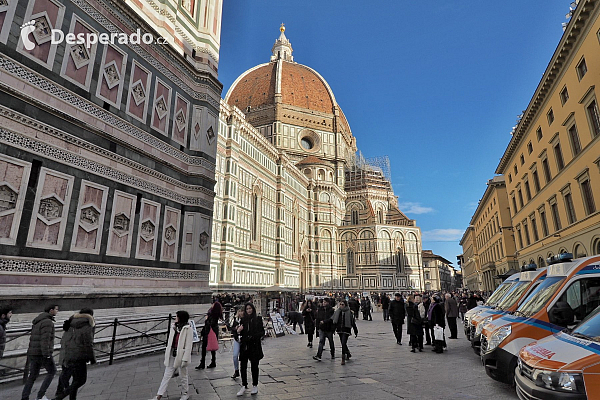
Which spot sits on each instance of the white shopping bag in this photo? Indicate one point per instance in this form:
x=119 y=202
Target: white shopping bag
x=438 y=332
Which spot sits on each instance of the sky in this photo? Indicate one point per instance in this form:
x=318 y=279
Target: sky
x=435 y=85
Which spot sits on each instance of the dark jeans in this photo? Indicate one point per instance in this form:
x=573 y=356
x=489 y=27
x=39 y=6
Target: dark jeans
x=253 y=370
x=310 y=335
x=344 y=340
x=416 y=340
x=386 y=314
x=452 y=326
x=77 y=370
x=397 y=325
x=322 y=336
x=301 y=328
x=367 y=315
x=35 y=364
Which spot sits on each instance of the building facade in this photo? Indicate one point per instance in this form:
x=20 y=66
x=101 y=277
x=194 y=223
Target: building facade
x=294 y=205
x=471 y=270
x=107 y=152
x=551 y=164
x=437 y=273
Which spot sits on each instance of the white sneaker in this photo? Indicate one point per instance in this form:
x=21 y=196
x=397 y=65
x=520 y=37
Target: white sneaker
x=254 y=390
x=241 y=391
x=184 y=397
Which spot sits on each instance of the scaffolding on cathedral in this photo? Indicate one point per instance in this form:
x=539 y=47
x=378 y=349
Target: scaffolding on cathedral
x=368 y=172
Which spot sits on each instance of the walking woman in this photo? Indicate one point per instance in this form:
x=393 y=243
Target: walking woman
x=309 y=312
x=251 y=332
x=178 y=354
x=215 y=313
x=415 y=325
x=237 y=320
x=343 y=320
x=436 y=317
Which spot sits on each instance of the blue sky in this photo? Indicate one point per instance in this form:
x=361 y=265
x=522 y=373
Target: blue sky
x=436 y=85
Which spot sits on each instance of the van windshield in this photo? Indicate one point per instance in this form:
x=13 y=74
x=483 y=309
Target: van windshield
x=540 y=296
x=499 y=293
x=590 y=328
x=512 y=296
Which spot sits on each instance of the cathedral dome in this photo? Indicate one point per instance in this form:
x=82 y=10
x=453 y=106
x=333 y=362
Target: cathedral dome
x=290 y=87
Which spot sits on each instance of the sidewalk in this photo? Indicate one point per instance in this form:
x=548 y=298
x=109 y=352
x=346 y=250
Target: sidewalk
x=379 y=370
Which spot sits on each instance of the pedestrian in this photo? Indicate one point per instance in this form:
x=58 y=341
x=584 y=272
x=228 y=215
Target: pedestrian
x=344 y=321
x=39 y=353
x=462 y=307
x=309 y=312
x=76 y=350
x=472 y=301
x=436 y=318
x=385 y=305
x=295 y=318
x=426 y=325
x=237 y=320
x=178 y=355
x=451 y=308
x=325 y=325
x=5 y=315
x=214 y=314
x=354 y=306
x=414 y=324
x=397 y=314
x=251 y=332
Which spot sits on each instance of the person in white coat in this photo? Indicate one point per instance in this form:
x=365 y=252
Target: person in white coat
x=178 y=354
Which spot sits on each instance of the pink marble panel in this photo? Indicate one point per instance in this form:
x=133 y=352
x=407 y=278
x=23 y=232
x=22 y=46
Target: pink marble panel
x=93 y=195
x=168 y=251
x=2 y=18
x=119 y=244
x=145 y=247
x=55 y=185
x=180 y=134
x=138 y=74
x=150 y=212
x=86 y=240
x=157 y=123
x=6 y=225
x=11 y=173
x=111 y=55
x=79 y=75
x=46 y=234
x=42 y=52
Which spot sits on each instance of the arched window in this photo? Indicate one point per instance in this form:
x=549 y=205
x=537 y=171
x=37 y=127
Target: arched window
x=254 y=216
x=354 y=217
x=596 y=247
x=399 y=260
x=541 y=263
x=350 y=262
x=579 y=251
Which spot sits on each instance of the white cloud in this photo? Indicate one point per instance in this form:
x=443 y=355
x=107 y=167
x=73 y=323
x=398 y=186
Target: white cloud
x=442 y=235
x=414 y=208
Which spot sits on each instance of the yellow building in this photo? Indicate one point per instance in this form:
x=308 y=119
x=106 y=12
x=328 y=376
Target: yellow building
x=471 y=270
x=552 y=163
x=493 y=238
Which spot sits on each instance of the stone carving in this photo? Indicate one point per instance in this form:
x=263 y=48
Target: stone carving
x=89 y=215
x=203 y=240
x=196 y=130
x=161 y=108
x=80 y=55
x=147 y=232
x=210 y=134
x=139 y=93
x=180 y=120
x=121 y=224
x=170 y=234
x=8 y=198
x=111 y=74
x=50 y=208
x=43 y=30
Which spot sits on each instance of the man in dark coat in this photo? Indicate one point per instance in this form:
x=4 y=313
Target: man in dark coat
x=472 y=301
x=354 y=306
x=39 y=353
x=77 y=348
x=436 y=317
x=385 y=305
x=451 y=307
x=325 y=325
x=397 y=312
x=5 y=314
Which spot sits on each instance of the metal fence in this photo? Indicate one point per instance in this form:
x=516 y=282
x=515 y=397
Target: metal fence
x=114 y=339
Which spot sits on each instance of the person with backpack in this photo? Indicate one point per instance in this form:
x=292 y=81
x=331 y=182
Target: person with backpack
x=344 y=321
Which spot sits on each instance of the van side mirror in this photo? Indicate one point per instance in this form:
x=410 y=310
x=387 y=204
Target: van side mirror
x=562 y=314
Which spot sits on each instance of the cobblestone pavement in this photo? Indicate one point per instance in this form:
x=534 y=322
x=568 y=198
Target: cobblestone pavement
x=379 y=369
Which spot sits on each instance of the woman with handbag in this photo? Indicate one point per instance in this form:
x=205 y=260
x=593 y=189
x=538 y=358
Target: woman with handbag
x=210 y=334
x=415 y=325
x=178 y=354
x=251 y=332
x=344 y=321
x=438 y=323
x=236 y=341
x=309 y=312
